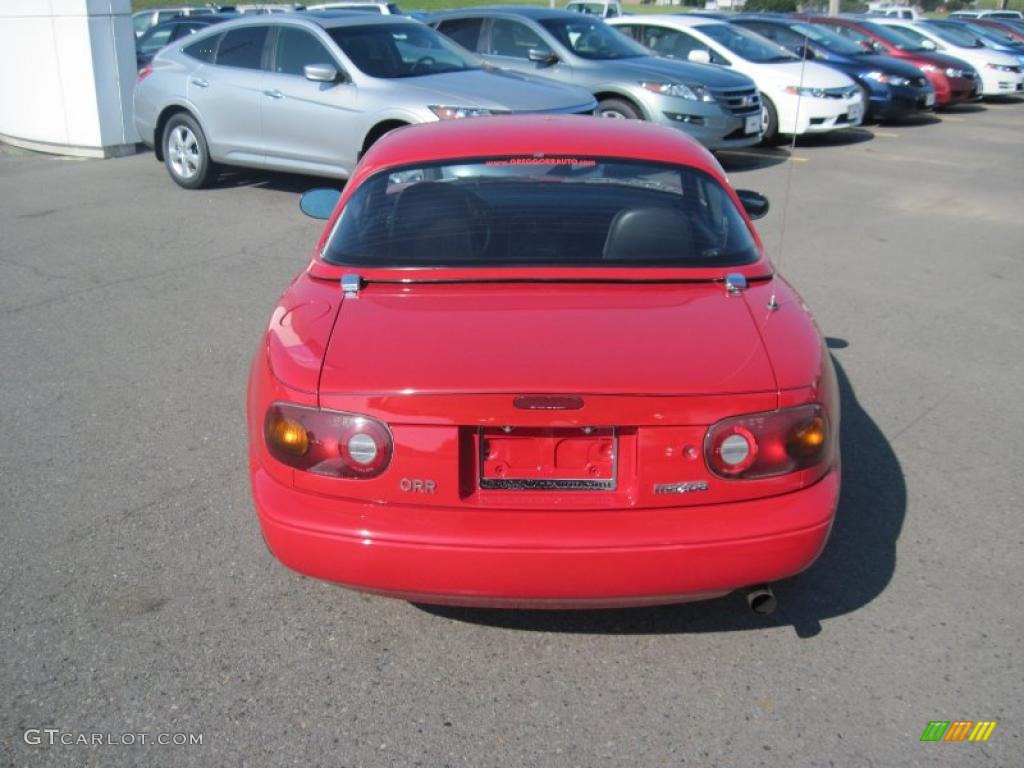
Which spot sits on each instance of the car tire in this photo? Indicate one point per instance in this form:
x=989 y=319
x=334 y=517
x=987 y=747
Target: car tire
x=186 y=153
x=618 y=109
x=769 y=121
x=866 y=96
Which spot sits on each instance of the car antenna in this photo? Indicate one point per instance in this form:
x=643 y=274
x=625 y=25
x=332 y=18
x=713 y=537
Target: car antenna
x=773 y=304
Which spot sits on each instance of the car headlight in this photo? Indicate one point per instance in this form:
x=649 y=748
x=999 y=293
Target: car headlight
x=1000 y=67
x=690 y=92
x=796 y=90
x=457 y=113
x=954 y=72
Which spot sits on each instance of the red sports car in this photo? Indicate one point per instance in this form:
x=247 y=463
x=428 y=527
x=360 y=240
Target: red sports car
x=543 y=362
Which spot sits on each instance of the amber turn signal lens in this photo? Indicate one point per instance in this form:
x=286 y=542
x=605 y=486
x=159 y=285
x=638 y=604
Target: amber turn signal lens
x=805 y=440
x=288 y=436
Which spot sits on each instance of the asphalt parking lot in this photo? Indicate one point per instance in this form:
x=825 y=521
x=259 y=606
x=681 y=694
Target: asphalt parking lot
x=138 y=597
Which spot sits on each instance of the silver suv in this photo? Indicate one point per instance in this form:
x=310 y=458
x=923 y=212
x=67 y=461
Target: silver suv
x=719 y=108
x=310 y=93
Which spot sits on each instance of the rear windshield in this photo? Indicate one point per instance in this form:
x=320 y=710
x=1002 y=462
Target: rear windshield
x=541 y=211
x=401 y=50
x=830 y=40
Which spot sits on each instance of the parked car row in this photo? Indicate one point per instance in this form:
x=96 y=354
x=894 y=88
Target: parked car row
x=310 y=92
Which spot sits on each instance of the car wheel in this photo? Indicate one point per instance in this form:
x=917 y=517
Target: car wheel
x=769 y=121
x=618 y=110
x=866 y=96
x=185 y=152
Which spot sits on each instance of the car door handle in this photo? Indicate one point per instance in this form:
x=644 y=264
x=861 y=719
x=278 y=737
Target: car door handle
x=200 y=83
x=274 y=94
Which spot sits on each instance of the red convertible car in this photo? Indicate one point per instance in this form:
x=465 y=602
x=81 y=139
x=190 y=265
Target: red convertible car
x=543 y=362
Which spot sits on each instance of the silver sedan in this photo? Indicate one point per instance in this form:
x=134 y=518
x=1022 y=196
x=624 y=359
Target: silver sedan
x=310 y=93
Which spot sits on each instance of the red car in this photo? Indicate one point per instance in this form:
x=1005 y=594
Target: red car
x=545 y=362
x=954 y=80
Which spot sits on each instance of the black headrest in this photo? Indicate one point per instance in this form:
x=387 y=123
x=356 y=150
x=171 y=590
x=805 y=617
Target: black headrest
x=648 y=234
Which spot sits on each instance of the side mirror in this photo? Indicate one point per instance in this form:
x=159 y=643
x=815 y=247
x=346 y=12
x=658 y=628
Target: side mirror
x=699 y=56
x=754 y=203
x=804 y=52
x=542 y=56
x=319 y=203
x=320 y=73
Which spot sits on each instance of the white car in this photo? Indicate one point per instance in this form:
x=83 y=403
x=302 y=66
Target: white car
x=1000 y=73
x=797 y=97
x=382 y=8
x=606 y=9
x=1016 y=15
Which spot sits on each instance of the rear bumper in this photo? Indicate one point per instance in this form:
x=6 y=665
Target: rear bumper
x=546 y=559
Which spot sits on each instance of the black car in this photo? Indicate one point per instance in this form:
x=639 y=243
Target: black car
x=165 y=33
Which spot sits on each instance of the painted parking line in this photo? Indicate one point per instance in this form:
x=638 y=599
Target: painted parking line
x=886 y=135
x=951 y=119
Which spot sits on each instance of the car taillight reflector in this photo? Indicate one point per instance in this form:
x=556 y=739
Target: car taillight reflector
x=331 y=443
x=770 y=443
x=145 y=72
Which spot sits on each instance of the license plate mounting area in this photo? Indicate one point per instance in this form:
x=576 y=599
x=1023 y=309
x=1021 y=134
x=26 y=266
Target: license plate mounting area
x=547 y=459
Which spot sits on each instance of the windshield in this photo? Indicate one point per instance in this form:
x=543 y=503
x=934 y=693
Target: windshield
x=746 y=44
x=593 y=39
x=400 y=50
x=896 y=37
x=829 y=40
x=992 y=33
x=954 y=34
x=541 y=211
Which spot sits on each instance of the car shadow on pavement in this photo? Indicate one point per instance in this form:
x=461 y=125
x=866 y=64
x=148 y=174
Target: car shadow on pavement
x=230 y=178
x=855 y=568
x=751 y=159
x=840 y=138
x=962 y=109
x=915 y=121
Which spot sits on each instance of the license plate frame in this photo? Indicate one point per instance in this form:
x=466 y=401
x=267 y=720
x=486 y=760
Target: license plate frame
x=929 y=99
x=752 y=125
x=855 y=112
x=508 y=482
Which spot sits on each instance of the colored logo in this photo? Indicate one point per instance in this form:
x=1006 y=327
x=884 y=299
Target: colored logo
x=958 y=730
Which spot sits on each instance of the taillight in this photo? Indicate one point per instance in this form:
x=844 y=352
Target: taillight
x=145 y=72
x=329 y=443
x=769 y=443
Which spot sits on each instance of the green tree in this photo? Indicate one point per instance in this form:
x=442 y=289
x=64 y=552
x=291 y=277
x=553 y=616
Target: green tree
x=775 y=6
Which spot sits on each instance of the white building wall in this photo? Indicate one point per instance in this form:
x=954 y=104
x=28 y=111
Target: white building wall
x=67 y=70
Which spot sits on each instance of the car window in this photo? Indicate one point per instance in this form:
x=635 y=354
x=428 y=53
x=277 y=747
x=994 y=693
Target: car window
x=512 y=38
x=401 y=50
x=901 y=38
x=777 y=34
x=465 y=32
x=676 y=44
x=954 y=34
x=155 y=39
x=593 y=39
x=295 y=49
x=202 y=49
x=242 y=47
x=634 y=31
x=826 y=38
x=541 y=211
x=849 y=33
x=142 y=22
x=163 y=16
x=746 y=44
x=185 y=29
